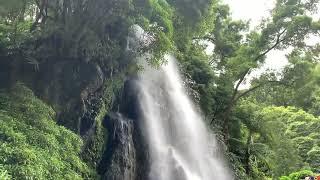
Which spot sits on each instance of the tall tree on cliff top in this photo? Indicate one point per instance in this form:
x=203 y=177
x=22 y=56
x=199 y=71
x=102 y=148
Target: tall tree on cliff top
x=238 y=51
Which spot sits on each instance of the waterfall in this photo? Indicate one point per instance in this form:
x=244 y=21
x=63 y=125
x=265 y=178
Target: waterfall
x=180 y=145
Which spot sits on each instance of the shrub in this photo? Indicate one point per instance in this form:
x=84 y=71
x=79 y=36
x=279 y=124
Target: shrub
x=32 y=145
x=300 y=174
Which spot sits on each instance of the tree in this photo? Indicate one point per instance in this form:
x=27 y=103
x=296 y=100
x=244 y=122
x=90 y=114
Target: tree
x=237 y=52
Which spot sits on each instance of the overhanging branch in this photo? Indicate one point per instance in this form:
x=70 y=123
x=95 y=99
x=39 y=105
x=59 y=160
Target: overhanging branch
x=278 y=41
x=208 y=38
x=258 y=86
x=242 y=77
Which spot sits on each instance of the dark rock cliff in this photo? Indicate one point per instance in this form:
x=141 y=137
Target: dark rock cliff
x=67 y=85
x=127 y=154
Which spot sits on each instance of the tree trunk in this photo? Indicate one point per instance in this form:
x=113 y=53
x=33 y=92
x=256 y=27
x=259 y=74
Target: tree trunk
x=226 y=119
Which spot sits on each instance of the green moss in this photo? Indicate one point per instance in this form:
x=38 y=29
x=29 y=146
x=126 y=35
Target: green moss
x=32 y=145
x=111 y=88
x=96 y=142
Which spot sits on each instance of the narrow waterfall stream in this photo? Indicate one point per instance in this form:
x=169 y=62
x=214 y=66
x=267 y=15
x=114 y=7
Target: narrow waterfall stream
x=181 y=147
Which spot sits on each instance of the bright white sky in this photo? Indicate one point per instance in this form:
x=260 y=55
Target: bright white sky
x=255 y=11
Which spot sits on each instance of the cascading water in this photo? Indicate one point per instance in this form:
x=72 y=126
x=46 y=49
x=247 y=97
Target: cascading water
x=181 y=148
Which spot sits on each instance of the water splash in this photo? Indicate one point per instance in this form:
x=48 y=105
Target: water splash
x=180 y=146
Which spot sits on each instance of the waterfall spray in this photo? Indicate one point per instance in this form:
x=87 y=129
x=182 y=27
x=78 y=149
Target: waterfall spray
x=180 y=145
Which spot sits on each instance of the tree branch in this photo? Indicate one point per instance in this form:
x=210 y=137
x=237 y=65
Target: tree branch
x=256 y=87
x=41 y=15
x=235 y=98
x=205 y=38
x=278 y=41
x=242 y=77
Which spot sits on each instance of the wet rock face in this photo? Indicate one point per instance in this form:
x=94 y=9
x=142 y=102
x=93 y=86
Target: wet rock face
x=126 y=157
x=130 y=107
x=120 y=161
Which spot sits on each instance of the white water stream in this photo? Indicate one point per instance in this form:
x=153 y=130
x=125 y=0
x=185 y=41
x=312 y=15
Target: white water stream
x=181 y=147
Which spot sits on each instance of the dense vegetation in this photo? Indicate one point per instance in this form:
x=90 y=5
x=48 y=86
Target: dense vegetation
x=270 y=130
x=33 y=146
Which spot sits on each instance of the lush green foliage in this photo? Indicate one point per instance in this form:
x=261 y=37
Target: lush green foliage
x=294 y=129
x=270 y=130
x=91 y=30
x=33 y=146
x=297 y=175
x=4 y=174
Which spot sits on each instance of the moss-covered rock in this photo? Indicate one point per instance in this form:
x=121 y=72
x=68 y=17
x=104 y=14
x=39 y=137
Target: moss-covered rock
x=96 y=140
x=32 y=145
